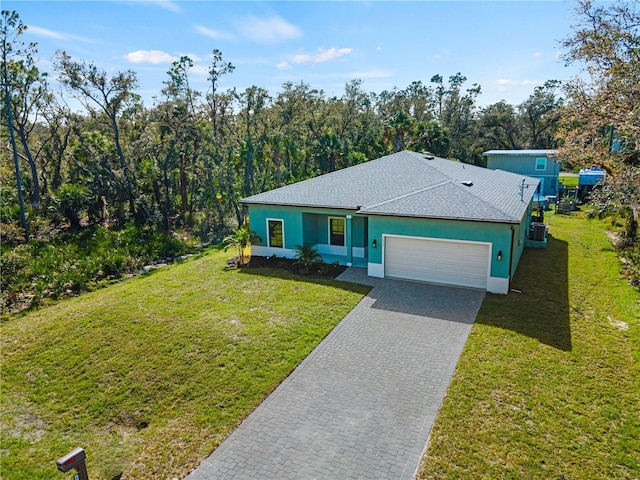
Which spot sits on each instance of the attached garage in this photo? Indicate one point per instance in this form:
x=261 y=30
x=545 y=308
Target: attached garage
x=408 y=215
x=433 y=260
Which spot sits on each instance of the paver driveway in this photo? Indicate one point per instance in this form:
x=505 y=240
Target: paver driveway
x=362 y=404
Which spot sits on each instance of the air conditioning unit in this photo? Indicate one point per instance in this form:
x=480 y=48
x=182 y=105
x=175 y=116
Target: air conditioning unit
x=538 y=231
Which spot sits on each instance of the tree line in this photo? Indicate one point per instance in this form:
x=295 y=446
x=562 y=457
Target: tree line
x=186 y=161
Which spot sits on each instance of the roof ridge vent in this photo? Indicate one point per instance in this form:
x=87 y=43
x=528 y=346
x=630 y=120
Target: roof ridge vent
x=429 y=157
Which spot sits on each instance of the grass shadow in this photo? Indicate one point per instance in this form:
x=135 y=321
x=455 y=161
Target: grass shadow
x=428 y=300
x=412 y=298
x=287 y=275
x=538 y=304
x=444 y=302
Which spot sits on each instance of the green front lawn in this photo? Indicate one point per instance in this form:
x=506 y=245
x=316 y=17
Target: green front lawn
x=150 y=375
x=548 y=386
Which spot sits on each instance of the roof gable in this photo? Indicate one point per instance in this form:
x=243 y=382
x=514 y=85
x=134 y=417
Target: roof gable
x=413 y=184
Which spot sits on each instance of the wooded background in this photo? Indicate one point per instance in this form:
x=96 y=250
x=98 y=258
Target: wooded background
x=185 y=162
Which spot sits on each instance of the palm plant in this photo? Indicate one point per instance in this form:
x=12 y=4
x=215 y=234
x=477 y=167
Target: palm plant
x=240 y=239
x=306 y=256
x=71 y=200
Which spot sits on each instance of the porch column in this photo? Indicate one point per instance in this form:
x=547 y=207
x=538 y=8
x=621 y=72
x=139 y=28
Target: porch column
x=348 y=241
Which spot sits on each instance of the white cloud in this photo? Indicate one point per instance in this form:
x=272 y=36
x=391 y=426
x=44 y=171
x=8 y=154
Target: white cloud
x=321 y=55
x=200 y=70
x=150 y=56
x=44 y=32
x=505 y=85
x=168 y=5
x=215 y=34
x=195 y=58
x=537 y=54
x=443 y=52
x=268 y=30
x=283 y=66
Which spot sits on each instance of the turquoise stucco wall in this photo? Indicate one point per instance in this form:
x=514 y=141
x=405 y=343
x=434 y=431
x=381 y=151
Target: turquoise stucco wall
x=519 y=237
x=310 y=232
x=310 y=225
x=314 y=223
x=292 y=218
x=316 y=227
x=499 y=235
x=359 y=234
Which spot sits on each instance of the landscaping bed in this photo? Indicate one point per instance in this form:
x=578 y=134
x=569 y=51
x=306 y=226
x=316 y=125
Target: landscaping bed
x=314 y=270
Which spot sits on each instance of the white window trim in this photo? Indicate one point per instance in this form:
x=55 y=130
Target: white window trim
x=544 y=165
x=269 y=232
x=344 y=235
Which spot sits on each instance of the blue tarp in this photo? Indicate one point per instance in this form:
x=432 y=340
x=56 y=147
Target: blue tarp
x=590 y=176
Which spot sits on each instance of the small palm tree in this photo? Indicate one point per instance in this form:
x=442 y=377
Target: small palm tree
x=71 y=200
x=242 y=237
x=306 y=256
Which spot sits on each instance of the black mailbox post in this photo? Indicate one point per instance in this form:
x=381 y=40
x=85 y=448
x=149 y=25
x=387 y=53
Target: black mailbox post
x=74 y=459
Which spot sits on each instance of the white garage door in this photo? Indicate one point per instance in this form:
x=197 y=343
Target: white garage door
x=428 y=260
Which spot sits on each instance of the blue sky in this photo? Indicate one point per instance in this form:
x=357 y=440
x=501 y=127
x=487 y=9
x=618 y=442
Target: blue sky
x=508 y=47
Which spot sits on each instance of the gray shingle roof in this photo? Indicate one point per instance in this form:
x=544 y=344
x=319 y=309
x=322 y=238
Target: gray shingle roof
x=411 y=184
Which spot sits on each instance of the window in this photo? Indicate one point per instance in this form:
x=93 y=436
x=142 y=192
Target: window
x=336 y=231
x=541 y=164
x=276 y=237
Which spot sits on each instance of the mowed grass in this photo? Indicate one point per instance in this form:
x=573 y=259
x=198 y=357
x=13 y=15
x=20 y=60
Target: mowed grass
x=150 y=375
x=548 y=386
x=569 y=180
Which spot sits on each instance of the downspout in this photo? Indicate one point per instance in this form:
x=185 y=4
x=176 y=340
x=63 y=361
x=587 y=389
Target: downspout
x=349 y=241
x=513 y=232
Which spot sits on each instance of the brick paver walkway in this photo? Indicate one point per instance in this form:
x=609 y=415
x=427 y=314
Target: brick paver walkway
x=362 y=404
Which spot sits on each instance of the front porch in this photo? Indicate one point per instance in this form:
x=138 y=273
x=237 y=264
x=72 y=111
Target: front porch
x=342 y=260
x=337 y=238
